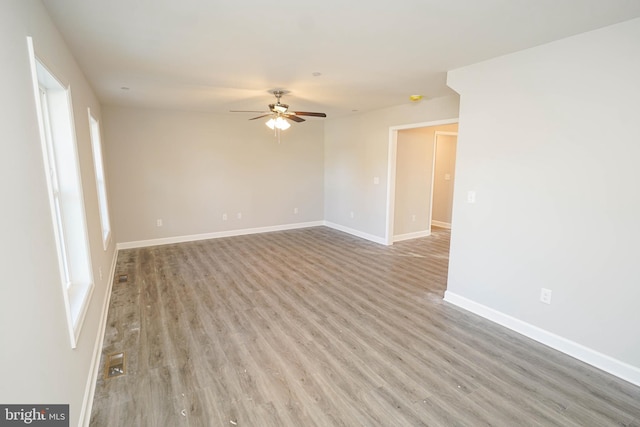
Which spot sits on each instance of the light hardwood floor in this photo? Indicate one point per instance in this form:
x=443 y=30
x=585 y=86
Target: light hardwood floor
x=314 y=327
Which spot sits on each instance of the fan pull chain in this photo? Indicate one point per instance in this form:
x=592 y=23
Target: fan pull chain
x=277 y=133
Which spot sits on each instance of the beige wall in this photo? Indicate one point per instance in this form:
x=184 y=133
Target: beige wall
x=414 y=167
x=444 y=178
x=357 y=151
x=188 y=169
x=549 y=142
x=38 y=364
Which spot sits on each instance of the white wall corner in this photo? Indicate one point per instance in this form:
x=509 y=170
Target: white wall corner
x=592 y=357
x=441 y=224
x=409 y=236
x=357 y=233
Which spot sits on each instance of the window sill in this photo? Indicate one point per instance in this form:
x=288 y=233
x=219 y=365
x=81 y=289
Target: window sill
x=79 y=295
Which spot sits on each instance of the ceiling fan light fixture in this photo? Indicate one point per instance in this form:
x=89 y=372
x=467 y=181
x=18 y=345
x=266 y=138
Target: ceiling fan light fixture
x=271 y=123
x=282 y=124
x=278 y=123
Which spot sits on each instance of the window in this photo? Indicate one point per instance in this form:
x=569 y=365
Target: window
x=55 y=119
x=98 y=165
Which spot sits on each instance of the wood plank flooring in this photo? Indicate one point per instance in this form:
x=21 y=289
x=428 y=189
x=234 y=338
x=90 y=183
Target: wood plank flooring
x=314 y=327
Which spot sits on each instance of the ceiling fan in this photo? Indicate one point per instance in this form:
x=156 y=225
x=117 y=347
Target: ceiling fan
x=279 y=112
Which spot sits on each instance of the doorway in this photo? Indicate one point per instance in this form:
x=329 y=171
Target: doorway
x=410 y=188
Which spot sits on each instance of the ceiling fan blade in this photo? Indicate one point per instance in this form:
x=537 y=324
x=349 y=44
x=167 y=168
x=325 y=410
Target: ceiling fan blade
x=294 y=118
x=259 y=117
x=307 y=113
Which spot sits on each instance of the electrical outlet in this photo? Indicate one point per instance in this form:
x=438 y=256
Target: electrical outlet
x=239 y=215
x=351 y=214
x=158 y=223
x=224 y=216
x=295 y=211
x=376 y=180
x=413 y=218
x=545 y=295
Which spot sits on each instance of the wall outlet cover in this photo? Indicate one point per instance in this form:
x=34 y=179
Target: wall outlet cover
x=545 y=295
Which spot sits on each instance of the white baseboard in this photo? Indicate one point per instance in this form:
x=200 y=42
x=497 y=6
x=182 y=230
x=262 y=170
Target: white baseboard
x=357 y=233
x=242 y=232
x=601 y=361
x=441 y=224
x=215 y=235
x=409 y=236
x=90 y=388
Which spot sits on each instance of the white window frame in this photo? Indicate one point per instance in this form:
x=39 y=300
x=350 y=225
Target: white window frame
x=101 y=185
x=62 y=170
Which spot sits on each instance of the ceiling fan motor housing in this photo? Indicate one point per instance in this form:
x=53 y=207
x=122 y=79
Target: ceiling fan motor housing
x=279 y=108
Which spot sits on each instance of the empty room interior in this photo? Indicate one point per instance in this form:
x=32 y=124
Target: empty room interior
x=319 y=214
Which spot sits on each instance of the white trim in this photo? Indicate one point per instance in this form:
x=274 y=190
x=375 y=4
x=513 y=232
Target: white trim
x=391 y=169
x=77 y=282
x=86 y=287
x=215 y=235
x=80 y=293
x=409 y=236
x=426 y=124
x=245 y=231
x=95 y=137
x=357 y=233
x=441 y=224
x=592 y=357
x=46 y=163
x=92 y=378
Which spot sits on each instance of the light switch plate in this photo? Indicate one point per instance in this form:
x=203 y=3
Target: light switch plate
x=471 y=196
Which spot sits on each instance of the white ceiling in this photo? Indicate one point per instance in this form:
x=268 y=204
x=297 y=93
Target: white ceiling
x=216 y=55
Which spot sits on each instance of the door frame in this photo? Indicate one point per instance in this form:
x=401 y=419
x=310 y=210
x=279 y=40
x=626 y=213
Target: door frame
x=391 y=171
